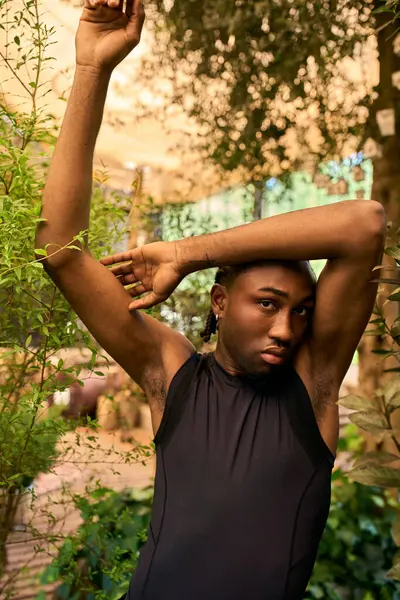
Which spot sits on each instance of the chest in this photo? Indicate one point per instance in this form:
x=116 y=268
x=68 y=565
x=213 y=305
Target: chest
x=240 y=435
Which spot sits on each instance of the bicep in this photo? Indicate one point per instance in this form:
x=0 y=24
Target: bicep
x=134 y=339
x=345 y=298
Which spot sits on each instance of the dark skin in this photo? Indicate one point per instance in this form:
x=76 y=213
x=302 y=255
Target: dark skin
x=267 y=307
x=271 y=308
x=348 y=234
x=275 y=309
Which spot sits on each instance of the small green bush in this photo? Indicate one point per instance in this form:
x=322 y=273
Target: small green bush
x=98 y=561
x=357 y=547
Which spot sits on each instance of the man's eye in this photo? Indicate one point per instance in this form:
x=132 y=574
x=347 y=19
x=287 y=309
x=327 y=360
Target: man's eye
x=267 y=304
x=303 y=311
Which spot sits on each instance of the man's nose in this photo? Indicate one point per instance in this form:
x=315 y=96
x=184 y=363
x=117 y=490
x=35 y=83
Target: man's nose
x=281 y=329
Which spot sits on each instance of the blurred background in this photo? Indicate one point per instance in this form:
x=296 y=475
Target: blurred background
x=225 y=113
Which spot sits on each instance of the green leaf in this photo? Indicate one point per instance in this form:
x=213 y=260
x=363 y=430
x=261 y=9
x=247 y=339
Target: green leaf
x=393 y=252
x=372 y=332
x=394 y=572
x=396 y=531
x=40 y=252
x=376 y=475
x=395 y=297
x=384 y=9
x=354 y=402
x=395 y=331
x=378 y=458
x=372 y=422
x=391 y=392
x=28 y=341
x=17 y=40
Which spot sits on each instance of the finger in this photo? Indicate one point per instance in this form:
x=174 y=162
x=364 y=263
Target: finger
x=122 y=269
x=128 y=279
x=135 y=8
x=129 y=8
x=136 y=14
x=116 y=258
x=137 y=290
x=117 y=4
x=146 y=302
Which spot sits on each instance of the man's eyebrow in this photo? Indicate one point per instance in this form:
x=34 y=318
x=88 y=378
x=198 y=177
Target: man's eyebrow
x=309 y=298
x=282 y=294
x=275 y=291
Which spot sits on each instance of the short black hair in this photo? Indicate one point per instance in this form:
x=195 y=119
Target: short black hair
x=225 y=275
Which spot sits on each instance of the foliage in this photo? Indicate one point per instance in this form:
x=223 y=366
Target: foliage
x=187 y=309
x=274 y=69
x=98 y=560
x=378 y=416
x=18 y=468
x=35 y=320
x=356 y=548
x=390 y=6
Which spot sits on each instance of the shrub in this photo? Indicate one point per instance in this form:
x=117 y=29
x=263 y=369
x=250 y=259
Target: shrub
x=98 y=560
x=35 y=320
x=357 y=548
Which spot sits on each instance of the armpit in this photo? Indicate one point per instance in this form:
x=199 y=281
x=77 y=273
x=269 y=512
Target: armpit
x=156 y=391
x=325 y=394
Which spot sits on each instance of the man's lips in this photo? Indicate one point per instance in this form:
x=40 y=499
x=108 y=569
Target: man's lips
x=274 y=356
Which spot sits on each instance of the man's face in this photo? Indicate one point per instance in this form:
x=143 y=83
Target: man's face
x=265 y=313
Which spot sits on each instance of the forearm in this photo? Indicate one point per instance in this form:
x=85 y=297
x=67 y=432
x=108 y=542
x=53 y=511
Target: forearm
x=326 y=232
x=67 y=194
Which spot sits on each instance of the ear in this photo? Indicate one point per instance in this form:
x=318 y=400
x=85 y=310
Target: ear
x=219 y=298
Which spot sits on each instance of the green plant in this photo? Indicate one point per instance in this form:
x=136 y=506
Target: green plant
x=378 y=414
x=187 y=309
x=35 y=320
x=356 y=549
x=98 y=560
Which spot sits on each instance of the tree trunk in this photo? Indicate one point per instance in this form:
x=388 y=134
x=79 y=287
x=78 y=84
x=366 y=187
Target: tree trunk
x=386 y=190
x=258 y=197
x=144 y=217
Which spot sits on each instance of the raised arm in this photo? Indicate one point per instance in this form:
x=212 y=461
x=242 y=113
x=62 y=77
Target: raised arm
x=349 y=234
x=149 y=351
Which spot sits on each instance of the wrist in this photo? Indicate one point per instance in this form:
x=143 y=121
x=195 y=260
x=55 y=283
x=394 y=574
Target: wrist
x=94 y=74
x=194 y=254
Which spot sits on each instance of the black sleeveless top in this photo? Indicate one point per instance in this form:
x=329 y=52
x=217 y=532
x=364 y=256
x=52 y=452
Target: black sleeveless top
x=242 y=489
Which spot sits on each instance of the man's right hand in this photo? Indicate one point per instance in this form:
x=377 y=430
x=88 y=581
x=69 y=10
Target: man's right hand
x=107 y=34
x=152 y=268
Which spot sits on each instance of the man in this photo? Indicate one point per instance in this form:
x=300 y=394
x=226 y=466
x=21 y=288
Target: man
x=245 y=436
